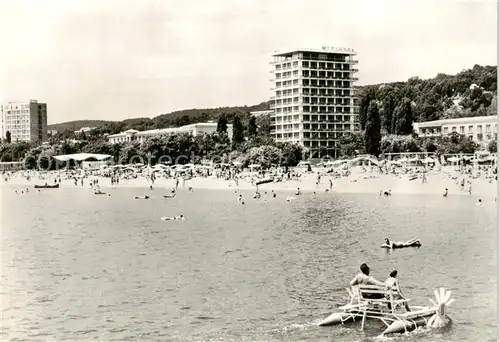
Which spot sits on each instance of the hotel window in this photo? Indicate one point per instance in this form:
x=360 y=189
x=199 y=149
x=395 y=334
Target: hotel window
x=462 y=129
x=479 y=128
x=445 y=130
x=471 y=129
x=453 y=129
x=488 y=128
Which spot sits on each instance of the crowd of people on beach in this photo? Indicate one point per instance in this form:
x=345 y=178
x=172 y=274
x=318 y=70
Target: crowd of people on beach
x=233 y=175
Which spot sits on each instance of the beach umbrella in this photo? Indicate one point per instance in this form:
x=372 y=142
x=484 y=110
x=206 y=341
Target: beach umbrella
x=452 y=159
x=254 y=166
x=237 y=163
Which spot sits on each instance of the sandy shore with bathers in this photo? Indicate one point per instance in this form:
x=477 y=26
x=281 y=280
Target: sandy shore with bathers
x=355 y=183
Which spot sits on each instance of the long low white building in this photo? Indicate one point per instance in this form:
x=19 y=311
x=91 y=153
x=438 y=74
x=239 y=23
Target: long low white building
x=481 y=129
x=193 y=129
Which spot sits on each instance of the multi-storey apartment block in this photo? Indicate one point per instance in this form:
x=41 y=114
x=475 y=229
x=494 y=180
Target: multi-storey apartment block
x=314 y=100
x=25 y=121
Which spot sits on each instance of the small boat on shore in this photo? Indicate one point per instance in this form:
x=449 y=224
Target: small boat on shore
x=362 y=308
x=264 y=181
x=46 y=186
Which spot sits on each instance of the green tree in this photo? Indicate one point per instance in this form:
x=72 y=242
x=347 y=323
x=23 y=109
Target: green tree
x=372 y=130
x=291 y=154
x=222 y=124
x=399 y=143
x=455 y=143
x=82 y=135
x=429 y=146
x=252 y=127
x=130 y=154
x=363 y=106
x=492 y=146
x=266 y=156
x=351 y=144
x=388 y=112
x=404 y=118
x=238 y=134
x=264 y=125
x=8 y=137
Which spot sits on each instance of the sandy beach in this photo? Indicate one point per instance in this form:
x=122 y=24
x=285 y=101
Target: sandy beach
x=356 y=183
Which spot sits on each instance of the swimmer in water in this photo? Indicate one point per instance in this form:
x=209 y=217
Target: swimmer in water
x=141 y=197
x=298 y=193
x=479 y=202
x=274 y=194
x=445 y=192
x=240 y=198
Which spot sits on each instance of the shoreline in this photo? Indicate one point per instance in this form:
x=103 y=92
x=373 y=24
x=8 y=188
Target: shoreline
x=364 y=183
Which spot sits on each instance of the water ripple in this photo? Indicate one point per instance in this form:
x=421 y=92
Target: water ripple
x=112 y=270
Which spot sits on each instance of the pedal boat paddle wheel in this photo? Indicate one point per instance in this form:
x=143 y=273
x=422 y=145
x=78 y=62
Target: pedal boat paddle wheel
x=396 y=319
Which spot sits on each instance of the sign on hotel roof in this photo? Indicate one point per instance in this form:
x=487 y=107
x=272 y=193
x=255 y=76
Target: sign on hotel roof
x=324 y=49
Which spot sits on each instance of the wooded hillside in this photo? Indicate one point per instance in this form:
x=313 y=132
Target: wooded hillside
x=471 y=92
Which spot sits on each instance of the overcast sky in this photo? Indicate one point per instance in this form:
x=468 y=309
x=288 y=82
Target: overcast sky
x=104 y=59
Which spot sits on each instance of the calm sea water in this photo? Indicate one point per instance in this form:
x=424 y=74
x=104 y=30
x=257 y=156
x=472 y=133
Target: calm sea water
x=76 y=266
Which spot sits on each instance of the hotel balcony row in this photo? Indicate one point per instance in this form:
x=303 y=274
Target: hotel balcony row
x=312 y=77
x=311 y=131
x=304 y=92
x=307 y=103
x=298 y=68
x=332 y=119
x=313 y=125
x=322 y=86
x=327 y=109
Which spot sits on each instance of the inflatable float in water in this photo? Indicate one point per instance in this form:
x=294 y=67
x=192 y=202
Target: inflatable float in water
x=410 y=243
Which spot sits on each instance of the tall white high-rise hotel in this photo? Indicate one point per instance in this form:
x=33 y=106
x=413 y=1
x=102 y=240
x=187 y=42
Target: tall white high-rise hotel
x=314 y=99
x=25 y=121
